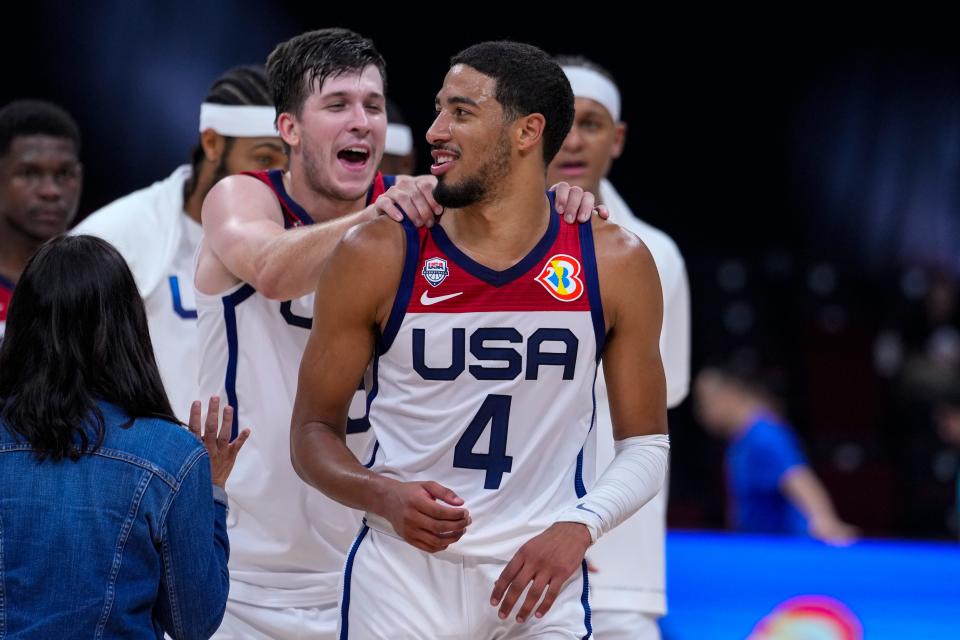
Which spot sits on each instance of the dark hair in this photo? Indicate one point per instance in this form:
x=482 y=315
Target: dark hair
x=296 y=65
x=585 y=63
x=36 y=117
x=240 y=86
x=528 y=81
x=76 y=334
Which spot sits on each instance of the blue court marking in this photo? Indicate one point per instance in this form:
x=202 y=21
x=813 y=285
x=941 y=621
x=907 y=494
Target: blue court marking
x=348 y=570
x=187 y=314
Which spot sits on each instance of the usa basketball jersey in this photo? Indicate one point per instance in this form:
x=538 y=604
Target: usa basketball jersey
x=6 y=294
x=171 y=317
x=288 y=541
x=484 y=382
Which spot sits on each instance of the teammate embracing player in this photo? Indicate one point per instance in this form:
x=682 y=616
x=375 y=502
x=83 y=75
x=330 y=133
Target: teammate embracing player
x=266 y=235
x=487 y=331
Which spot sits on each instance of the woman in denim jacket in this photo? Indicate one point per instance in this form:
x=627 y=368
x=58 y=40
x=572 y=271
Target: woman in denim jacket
x=108 y=524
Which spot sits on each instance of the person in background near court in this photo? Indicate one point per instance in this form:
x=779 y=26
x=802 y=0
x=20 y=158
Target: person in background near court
x=157 y=229
x=773 y=488
x=628 y=587
x=399 y=154
x=111 y=526
x=40 y=182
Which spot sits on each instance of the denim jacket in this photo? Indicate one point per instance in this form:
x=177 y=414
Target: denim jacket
x=124 y=543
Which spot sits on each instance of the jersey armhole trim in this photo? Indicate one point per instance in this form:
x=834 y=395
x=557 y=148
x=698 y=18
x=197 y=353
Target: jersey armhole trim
x=589 y=254
x=404 y=291
x=230 y=303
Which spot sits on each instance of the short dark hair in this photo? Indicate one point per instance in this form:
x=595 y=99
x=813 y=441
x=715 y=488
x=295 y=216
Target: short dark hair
x=36 y=117
x=76 y=334
x=528 y=81
x=241 y=86
x=295 y=65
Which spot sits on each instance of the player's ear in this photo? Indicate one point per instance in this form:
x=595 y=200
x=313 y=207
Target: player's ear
x=619 y=139
x=289 y=131
x=529 y=131
x=213 y=144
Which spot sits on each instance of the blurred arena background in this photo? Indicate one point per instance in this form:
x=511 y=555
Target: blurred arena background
x=807 y=163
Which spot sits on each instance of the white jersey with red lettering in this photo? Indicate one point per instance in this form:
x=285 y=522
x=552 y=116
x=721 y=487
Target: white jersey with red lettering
x=484 y=382
x=288 y=541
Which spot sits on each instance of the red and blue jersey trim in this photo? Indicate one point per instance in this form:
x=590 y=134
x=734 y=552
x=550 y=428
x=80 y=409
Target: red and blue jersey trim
x=295 y=215
x=558 y=274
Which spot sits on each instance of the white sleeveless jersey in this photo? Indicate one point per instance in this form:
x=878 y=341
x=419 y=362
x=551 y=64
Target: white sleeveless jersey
x=288 y=541
x=159 y=241
x=172 y=318
x=484 y=382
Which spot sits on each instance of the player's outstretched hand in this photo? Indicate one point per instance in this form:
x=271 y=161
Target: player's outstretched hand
x=547 y=560
x=577 y=205
x=412 y=196
x=417 y=515
x=216 y=438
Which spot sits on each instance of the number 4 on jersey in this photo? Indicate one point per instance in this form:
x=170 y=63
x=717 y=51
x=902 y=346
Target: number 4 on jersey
x=495 y=410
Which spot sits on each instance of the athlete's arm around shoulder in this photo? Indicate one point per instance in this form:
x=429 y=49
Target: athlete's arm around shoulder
x=633 y=312
x=354 y=297
x=245 y=240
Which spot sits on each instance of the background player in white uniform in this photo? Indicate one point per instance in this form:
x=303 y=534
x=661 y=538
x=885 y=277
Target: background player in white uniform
x=482 y=445
x=628 y=587
x=157 y=229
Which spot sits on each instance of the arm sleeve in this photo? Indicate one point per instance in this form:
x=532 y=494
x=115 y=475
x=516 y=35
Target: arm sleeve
x=195 y=548
x=633 y=478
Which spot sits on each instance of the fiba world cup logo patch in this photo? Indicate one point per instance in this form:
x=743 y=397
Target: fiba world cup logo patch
x=435 y=270
x=559 y=277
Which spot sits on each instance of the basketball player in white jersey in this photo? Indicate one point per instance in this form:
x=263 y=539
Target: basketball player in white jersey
x=157 y=229
x=265 y=237
x=487 y=331
x=628 y=585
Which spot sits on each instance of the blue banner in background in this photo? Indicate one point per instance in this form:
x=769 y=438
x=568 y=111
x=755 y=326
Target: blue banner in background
x=731 y=587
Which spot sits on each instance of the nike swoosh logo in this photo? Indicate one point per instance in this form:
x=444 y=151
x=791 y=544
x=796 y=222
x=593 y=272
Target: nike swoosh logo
x=426 y=300
x=580 y=506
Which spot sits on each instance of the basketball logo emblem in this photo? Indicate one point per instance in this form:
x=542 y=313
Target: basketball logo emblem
x=559 y=277
x=435 y=270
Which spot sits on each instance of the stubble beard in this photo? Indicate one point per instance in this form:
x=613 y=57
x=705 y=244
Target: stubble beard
x=480 y=187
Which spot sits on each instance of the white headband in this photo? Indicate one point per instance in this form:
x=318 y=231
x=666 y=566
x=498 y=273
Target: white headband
x=399 y=140
x=587 y=83
x=238 y=121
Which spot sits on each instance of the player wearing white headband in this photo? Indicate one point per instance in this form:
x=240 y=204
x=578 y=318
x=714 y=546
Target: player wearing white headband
x=628 y=587
x=399 y=154
x=157 y=229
